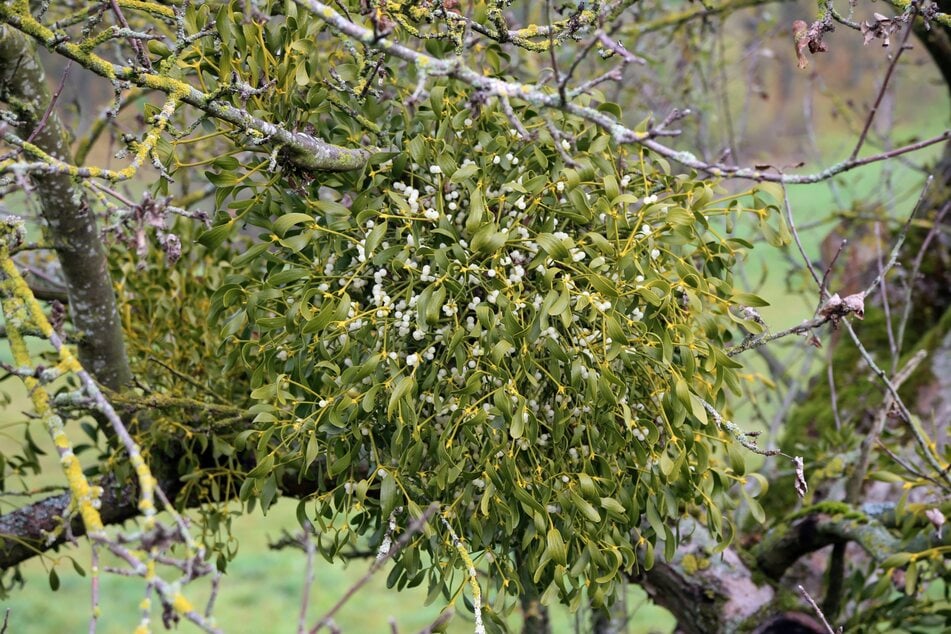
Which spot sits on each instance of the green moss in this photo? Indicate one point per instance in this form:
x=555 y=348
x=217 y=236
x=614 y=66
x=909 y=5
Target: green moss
x=830 y=507
x=690 y=564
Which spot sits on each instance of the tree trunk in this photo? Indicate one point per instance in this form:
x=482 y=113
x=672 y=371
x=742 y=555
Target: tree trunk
x=71 y=226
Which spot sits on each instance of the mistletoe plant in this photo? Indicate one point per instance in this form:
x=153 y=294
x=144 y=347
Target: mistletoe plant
x=530 y=333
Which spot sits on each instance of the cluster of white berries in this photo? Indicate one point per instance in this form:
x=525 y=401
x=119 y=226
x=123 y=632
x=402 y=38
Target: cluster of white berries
x=500 y=278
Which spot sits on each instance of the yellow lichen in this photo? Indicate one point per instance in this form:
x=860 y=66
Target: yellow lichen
x=19 y=302
x=153 y=8
x=181 y=604
x=60 y=440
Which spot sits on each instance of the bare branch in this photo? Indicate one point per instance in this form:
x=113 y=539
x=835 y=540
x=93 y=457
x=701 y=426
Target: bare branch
x=304 y=150
x=881 y=91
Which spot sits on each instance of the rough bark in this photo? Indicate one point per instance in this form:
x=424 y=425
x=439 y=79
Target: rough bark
x=707 y=593
x=38 y=527
x=71 y=226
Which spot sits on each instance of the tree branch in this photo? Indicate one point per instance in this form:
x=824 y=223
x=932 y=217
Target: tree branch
x=537 y=96
x=303 y=150
x=835 y=523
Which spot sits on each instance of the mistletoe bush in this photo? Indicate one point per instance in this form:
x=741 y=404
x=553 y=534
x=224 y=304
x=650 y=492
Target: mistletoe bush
x=531 y=333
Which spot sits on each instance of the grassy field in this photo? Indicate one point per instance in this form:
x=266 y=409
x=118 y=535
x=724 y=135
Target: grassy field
x=261 y=593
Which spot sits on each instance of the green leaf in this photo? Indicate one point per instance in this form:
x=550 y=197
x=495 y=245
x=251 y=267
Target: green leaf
x=263 y=468
x=648 y=556
x=374 y=238
x=214 y=237
x=488 y=239
x=556 y=548
x=268 y=492
x=387 y=495
x=285 y=222
x=222 y=179
x=476 y=211
x=610 y=108
x=310 y=453
x=897 y=560
x=911 y=579
x=403 y=387
x=756 y=510
x=518 y=424
x=748 y=299
x=585 y=507
x=54 y=580
x=79 y=569
x=553 y=246
x=613 y=506
x=464 y=173
x=251 y=253
x=697 y=409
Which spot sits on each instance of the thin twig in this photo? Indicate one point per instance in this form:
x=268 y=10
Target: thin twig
x=191 y=381
x=755 y=342
x=307 y=541
x=554 y=60
x=215 y=588
x=94 y=563
x=833 y=395
x=140 y=50
x=818 y=611
x=49 y=108
x=415 y=527
x=924 y=443
x=916 y=266
x=746 y=439
x=889 y=326
x=854 y=484
x=795 y=234
x=884 y=86
x=904 y=464
x=437 y=625
x=471 y=573
x=824 y=286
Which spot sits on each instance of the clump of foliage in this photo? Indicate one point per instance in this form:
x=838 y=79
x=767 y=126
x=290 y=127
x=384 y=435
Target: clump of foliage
x=528 y=331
